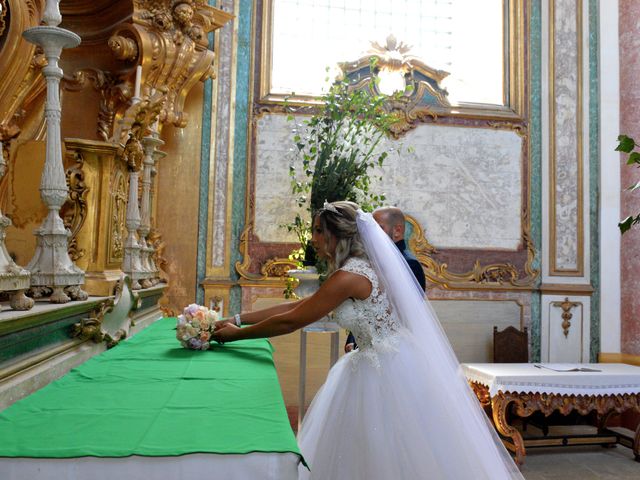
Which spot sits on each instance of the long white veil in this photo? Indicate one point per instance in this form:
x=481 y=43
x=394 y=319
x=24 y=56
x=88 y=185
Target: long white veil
x=468 y=425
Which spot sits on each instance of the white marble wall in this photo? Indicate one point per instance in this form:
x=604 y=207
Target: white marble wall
x=558 y=347
x=222 y=119
x=566 y=133
x=464 y=185
x=565 y=176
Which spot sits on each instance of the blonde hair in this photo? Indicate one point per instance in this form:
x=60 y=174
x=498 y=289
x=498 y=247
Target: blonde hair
x=339 y=220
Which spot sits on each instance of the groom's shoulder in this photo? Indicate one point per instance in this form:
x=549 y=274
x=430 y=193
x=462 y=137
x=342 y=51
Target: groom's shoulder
x=408 y=256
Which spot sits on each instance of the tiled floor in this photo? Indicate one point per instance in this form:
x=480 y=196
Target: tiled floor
x=566 y=463
x=581 y=463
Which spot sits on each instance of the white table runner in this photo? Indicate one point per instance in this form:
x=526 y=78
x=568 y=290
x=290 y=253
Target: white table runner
x=609 y=379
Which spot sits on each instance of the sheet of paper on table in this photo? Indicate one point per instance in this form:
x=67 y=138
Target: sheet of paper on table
x=566 y=367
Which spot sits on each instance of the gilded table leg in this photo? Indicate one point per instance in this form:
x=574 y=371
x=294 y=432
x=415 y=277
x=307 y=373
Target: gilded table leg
x=500 y=404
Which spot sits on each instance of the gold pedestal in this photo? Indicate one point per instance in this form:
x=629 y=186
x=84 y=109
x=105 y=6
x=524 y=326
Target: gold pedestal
x=96 y=211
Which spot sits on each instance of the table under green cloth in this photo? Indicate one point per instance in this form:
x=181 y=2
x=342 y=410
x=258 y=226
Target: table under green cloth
x=149 y=396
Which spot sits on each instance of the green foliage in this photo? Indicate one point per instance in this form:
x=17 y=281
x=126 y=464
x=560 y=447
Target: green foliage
x=628 y=145
x=338 y=150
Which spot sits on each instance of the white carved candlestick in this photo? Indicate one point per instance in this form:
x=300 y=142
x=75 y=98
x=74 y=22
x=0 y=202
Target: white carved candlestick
x=136 y=88
x=133 y=154
x=13 y=278
x=51 y=265
x=157 y=155
x=149 y=143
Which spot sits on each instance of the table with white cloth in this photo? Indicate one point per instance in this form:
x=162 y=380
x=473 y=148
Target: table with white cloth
x=526 y=388
x=150 y=409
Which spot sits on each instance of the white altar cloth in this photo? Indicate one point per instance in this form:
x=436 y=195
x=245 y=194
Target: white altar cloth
x=200 y=466
x=610 y=379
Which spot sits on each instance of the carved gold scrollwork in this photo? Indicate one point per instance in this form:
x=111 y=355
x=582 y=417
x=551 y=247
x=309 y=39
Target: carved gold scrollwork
x=243 y=267
x=118 y=209
x=168 y=39
x=20 y=64
x=133 y=154
x=421 y=82
x=88 y=329
x=123 y=48
x=91 y=328
x=439 y=274
x=110 y=96
x=156 y=241
x=525 y=404
x=3 y=14
x=74 y=211
x=566 y=307
x=277 y=267
x=519 y=128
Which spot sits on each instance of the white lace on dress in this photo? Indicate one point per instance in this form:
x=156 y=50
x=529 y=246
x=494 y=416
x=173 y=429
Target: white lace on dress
x=372 y=320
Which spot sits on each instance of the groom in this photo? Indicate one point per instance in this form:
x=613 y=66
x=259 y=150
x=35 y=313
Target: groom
x=391 y=220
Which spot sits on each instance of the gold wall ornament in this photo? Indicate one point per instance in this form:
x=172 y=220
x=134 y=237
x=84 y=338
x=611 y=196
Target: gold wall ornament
x=88 y=329
x=133 y=154
x=168 y=39
x=417 y=85
x=566 y=307
x=243 y=267
x=158 y=244
x=111 y=94
x=3 y=14
x=521 y=129
x=20 y=62
x=277 y=267
x=491 y=276
x=118 y=213
x=92 y=328
x=74 y=211
x=96 y=211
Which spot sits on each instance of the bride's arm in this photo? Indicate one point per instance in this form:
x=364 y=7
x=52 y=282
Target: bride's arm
x=335 y=290
x=249 y=318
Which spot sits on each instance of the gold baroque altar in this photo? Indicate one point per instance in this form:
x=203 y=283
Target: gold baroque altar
x=160 y=45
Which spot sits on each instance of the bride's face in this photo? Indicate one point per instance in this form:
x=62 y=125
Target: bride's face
x=323 y=242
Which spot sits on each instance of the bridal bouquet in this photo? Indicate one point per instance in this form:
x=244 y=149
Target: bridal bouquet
x=195 y=327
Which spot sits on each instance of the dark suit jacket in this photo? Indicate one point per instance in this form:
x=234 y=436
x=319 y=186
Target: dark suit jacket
x=415 y=267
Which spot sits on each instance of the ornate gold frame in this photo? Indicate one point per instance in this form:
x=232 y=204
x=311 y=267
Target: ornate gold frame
x=501 y=270
x=514 y=72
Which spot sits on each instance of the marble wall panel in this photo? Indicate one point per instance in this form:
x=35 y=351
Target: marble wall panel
x=222 y=160
x=566 y=134
x=629 y=32
x=464 y=185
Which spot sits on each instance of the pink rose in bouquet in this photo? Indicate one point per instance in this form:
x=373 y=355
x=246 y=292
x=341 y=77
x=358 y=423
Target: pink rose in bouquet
x=195 y=326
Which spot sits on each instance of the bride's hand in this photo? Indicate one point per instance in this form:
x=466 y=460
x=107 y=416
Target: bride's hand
x=226 y=333
x=221 y=323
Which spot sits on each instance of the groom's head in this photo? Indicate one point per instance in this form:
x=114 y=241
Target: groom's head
x=391 y=220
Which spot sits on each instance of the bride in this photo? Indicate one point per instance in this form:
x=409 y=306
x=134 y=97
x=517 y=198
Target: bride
x=399 y=406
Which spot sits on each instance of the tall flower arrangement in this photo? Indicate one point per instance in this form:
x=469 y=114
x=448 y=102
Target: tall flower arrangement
x=338 y=151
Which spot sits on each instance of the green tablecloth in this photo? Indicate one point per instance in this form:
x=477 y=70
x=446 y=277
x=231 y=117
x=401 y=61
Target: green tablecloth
x=149 y=396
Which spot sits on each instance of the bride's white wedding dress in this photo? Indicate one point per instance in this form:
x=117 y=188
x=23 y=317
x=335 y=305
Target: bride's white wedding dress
x=393 y=409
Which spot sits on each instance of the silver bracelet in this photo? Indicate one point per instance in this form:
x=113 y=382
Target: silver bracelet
x=236 y=317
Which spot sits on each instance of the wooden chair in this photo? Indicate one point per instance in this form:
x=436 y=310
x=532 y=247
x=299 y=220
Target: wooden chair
x=510 y=345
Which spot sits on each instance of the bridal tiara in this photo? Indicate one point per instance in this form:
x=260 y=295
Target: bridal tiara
x=331 y=208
